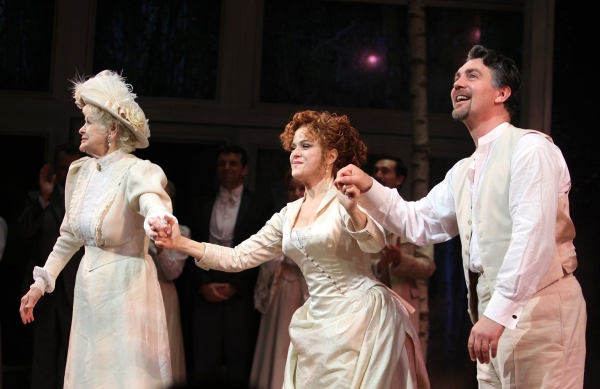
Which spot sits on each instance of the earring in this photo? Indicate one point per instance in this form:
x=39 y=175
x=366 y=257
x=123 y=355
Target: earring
x=327 y=169
x=108 y=139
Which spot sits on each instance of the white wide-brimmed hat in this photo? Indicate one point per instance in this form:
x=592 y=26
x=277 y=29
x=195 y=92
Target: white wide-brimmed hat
x=107 y=90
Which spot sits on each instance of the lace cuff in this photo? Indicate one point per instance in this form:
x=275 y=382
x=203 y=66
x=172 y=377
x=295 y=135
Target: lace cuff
x=43 y=280
x=149 y=232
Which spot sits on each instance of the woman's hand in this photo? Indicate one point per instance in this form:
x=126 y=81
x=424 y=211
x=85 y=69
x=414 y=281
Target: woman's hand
x=168 y=236
x=155 y=224
x=348 y=196
x=27 y=303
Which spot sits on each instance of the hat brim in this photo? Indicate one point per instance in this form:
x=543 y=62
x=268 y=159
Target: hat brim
x=141 y=142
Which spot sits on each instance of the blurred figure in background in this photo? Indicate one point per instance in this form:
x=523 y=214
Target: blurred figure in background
x=39 y=224
x=224 y=321
x=169 y=264
x=280 y=290
x=401 y=265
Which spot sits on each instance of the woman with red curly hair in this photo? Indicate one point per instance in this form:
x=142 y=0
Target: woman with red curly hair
x=353 y=332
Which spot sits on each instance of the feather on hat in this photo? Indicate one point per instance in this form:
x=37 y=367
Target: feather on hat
x=107 y=90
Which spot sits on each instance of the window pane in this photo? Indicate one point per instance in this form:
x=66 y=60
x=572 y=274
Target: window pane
x=335 y=53
x=26 y=31
x=450 y=35
x=166 y=48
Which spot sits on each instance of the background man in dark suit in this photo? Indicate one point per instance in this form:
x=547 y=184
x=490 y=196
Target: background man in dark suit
x=39 y=224
x=224 y=321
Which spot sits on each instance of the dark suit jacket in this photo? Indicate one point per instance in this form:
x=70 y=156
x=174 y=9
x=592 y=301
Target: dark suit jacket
x=253 y=213
x=41 y=227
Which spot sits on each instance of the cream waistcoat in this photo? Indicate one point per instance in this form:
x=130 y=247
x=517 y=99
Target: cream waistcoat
x=494 y=223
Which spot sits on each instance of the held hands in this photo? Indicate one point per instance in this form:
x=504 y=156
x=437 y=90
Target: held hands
x=352 y=175
x=167 y=235
x=27 y=303
x=348 y=196
x=483 y=340
x=46 y=187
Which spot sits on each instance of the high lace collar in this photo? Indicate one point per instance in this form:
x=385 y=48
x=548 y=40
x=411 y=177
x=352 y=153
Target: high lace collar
x=103 y=163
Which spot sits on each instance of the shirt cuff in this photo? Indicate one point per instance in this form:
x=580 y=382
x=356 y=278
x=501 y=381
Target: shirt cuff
x=360 y=235
x=199 y=263
x=374 y=197
x=43 y=203
x=503 y=311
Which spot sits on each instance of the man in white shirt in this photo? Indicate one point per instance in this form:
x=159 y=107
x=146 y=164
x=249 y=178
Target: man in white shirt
x=509 y=204
x=224 y=321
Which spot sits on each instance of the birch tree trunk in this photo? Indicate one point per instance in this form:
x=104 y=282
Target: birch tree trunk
x=418 y=99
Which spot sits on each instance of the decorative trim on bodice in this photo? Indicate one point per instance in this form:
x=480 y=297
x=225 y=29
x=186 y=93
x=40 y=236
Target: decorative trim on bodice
x=123 y=162
x=300 y=236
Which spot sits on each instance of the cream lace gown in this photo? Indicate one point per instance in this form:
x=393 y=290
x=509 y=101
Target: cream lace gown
x=119 y=333
x=353 y=332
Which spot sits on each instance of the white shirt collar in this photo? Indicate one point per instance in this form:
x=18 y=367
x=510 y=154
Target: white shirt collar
x=233 y=196
x=492 y=135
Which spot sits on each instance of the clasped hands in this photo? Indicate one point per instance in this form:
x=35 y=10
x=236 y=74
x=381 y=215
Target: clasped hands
x=166 y=229
x=390 y=255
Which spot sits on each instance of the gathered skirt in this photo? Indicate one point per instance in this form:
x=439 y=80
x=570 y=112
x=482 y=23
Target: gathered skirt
x=119 y=335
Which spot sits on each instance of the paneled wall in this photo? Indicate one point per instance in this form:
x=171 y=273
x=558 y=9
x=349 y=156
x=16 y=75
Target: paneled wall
x=237 y=114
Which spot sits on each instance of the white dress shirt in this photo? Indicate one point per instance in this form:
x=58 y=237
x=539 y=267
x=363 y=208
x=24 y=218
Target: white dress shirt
x=539 y=176
x=224 y=216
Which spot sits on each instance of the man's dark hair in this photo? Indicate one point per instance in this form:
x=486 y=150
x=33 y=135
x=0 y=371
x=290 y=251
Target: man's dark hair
x=401 y=169
x=504 y=73
x=67 y=148
x=226 y=149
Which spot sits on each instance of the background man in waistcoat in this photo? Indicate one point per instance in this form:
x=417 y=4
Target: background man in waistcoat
x=509 y=203
x=40 y=224
x=401 y=265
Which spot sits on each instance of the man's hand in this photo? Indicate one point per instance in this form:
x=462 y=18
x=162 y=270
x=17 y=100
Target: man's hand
x=214 y=292
x=226 y=290
x=483 y=340
x=392 y=254
x=46 y=187
x=352 y=175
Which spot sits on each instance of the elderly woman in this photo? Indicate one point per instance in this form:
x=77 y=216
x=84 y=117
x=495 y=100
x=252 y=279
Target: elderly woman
x=353 y=332
x=119 y=333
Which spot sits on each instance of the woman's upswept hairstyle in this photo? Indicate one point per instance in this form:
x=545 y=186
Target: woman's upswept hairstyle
x=332 y=132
